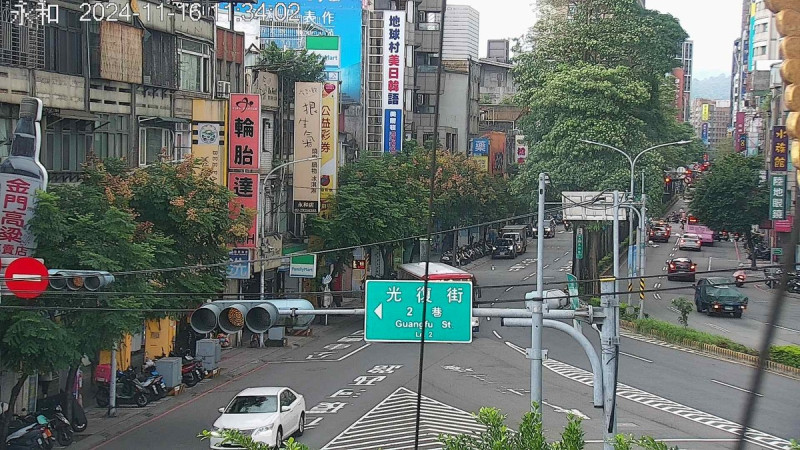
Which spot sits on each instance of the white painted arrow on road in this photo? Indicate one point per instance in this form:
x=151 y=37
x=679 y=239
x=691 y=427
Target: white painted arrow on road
x=379 y=311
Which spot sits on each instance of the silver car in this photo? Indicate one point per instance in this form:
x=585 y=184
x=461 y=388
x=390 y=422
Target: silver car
x=690 y=241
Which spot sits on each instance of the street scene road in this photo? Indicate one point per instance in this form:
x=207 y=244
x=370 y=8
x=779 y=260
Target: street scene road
x=362 y=395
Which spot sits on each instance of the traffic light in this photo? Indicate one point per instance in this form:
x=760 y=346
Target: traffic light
x=232 y=316
x=75 y=280
x=667 y=179
x=787 y=20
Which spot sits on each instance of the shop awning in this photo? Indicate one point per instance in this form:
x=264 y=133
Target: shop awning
x=289 y=249
x=74 y=114
x=160 y=121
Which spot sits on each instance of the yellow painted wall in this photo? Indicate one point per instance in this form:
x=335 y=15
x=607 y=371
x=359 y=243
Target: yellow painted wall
x=123 y=354
x=159 y=337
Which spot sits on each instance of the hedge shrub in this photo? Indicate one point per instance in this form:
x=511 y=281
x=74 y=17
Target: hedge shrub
x=786 y=354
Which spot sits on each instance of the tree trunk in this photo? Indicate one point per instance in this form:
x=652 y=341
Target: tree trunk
x=751 y=246
x=6 y=417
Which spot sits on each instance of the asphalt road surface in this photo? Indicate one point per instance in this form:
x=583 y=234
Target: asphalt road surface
x=362 y=396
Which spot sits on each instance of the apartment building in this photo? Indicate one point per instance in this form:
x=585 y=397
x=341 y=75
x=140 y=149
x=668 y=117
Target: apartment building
x=461 y=27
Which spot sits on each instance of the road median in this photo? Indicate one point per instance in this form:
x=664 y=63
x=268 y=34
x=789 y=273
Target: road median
x=783 y=360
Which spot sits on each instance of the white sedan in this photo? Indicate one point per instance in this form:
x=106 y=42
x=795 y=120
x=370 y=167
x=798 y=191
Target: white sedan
x=267 y=414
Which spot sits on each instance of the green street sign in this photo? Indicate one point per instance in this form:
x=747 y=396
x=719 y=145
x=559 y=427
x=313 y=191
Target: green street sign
x=394 y=311
x=579 y=243
x=777 y=251
x=572 y=287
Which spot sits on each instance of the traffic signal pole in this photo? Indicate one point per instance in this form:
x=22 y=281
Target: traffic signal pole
x=536 y=305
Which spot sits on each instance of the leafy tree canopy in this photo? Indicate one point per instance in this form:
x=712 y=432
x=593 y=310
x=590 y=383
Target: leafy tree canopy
x=731 y=196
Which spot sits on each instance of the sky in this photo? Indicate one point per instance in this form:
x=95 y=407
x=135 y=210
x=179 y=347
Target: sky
x=712 y=24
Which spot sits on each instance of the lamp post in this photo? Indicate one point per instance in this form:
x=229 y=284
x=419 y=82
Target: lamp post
x=633 y=160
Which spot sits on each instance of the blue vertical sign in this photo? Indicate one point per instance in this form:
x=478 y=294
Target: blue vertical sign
x=238 y=264
x=752 y=35
x=704 y=132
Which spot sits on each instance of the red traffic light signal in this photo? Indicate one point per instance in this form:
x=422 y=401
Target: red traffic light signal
x=667 y=180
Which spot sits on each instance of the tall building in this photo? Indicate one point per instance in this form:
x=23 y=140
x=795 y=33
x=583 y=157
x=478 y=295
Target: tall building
x=687 y=53
x=710 y=119
x=461 y=27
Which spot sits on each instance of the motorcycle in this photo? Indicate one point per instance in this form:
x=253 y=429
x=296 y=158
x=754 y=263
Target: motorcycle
x=49 y=405
x=739 y=277
x=128 y=392
x=151 y=380
x=26 y=435
x=192 y=369
x=57 y=422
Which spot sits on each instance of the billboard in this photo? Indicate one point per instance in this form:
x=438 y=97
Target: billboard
x=590 y=206
x=480 y=153
x=289 y=24
x=704 y=132
x=329 y=146
x=22 y=175
x=780 y=149
x=307 y=134
x=239 y=266
x=704 y=115
x=521 y=149
x=777 y=197
x=741 y=143
x=208 y=135
x=245 y=188
x=678 y=73
x=394 y=48
x=751 y=35
x=328 y=47
x=245 y=132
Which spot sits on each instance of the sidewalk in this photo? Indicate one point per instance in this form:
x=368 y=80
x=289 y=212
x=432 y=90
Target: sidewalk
x=235 y=362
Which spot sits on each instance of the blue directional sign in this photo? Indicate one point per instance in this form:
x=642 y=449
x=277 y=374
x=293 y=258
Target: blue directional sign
x=394 y=311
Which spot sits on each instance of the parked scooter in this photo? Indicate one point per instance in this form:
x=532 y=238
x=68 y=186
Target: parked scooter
x=128 y=392
x=153 y=383
x=192 y=371
x=57 y=422
x=23 y=435
x=49 y=405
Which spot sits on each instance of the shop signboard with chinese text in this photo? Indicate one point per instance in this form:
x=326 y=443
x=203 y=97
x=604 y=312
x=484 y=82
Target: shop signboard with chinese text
x=394 y=48
x=741 y=143
x=329 y=146
x=480 y=153
x=245 y=188
x=780 y=149
x=704 y=114
x=307 y=134
x=22 y=175
x=245 y=132
x=239 y=264
x=521 y=149
x=777 y=197
x=209 y=130
x=393 y=311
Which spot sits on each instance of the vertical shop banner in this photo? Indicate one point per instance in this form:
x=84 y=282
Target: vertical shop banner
x=780 y=149
x=777 y=197
x=751 y=34
x=704 y=132
x=307 y=137
x=245 y=188
x=741 y=143
x=208 y=135
x=480 y=153
x=394 y=48
x=22 y=175
x=329 y=146
x=704 y=116
x=521 y=149
x=245 y=132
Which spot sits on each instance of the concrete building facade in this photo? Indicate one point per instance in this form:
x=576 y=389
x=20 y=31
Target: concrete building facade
x=461 y=27
x=718 y=113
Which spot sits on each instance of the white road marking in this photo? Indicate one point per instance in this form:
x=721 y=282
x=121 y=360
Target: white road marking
x=657 y=296
x=559 y=409
x=517 y=392
x=497 y=335
x=509 y=288
x=636 y=357
x=556 y=260
x=709 y=263
x=566 y=253
x=546 y=266
x=787 y=329
x=664 y=268
x=735 y=387
x=665 y=405
x=717 y=327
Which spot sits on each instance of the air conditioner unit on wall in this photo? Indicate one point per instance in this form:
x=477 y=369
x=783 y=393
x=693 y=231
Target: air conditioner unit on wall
x=223 y=89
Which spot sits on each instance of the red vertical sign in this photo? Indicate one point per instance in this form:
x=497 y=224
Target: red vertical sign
x=245 y=195
x=244 y=133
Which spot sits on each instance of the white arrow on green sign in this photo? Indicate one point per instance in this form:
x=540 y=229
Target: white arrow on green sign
x=394 y=311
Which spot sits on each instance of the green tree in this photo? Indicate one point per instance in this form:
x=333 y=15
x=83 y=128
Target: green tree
x=732 y=197
x=684 y=307
x=31 y=343
x=240 y=440
x=599 y=75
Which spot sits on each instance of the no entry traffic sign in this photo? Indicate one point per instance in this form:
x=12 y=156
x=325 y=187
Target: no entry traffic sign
x=26 y=277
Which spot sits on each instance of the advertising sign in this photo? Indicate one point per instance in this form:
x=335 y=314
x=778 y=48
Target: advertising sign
x=480 y=153
x=290 y=24
x=307 y=124
x=245 y=188
x=208 y=135
x=266 y=85
x=780 y=149
x=752 y=35
x=245 y=132
x=741 y=143
x=785 y=225
x=521 y=149
x=22 y=175
x=239 y=264
x=704 y=132
x=704 y=115
x=327 y=47
x=329 y=145
x=303 y=266
x=394 y=49
x=272 y=249
x=777 y=197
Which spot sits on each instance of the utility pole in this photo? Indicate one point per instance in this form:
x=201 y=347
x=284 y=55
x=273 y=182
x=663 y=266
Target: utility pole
x=609 y=344
x=112 y=384
x=536 y=306
x=642 y=247
x=616 y=239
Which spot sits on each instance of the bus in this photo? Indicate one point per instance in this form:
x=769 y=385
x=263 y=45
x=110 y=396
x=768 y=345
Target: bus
x=441 y=272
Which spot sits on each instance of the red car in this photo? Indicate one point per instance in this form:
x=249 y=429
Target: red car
x=659 y=234
x=681 y=268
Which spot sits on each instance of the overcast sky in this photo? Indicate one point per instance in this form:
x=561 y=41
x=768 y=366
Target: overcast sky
x=712 y=24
